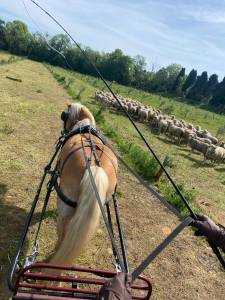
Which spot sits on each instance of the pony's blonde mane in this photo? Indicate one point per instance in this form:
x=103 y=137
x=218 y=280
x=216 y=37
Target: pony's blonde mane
x=74 y=112
x=78 y=112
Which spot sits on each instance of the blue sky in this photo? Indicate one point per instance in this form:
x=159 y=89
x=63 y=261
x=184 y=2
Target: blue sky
x=187 y=32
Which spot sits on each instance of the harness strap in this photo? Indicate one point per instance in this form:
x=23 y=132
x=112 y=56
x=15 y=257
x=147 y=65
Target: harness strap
x=93 y=146
x=110 y=233
x=63 y=197
x=85 y=129
x=109 y=157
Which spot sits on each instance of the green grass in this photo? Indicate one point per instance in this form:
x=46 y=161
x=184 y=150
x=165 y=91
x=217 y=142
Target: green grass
x=188 y=169
x=134 y=155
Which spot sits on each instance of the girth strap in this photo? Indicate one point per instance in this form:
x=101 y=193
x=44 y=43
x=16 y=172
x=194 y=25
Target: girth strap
x=63 y=197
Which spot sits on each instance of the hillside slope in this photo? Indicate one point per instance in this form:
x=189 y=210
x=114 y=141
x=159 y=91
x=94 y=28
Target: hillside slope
x=30 y=125
x=206 y=181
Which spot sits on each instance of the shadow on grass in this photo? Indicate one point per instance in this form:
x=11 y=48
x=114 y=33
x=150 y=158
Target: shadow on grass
x=165 y=140
x=220 y=169
x=12 y=219
x=197 y=163
x=11 y=224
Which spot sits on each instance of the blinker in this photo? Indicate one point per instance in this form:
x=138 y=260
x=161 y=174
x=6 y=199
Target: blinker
x=64 y=116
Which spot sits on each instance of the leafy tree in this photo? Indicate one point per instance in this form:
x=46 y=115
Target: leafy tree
x=190 y=80
x=94 y=56
x=119 y=67
x=176 y=88
x=61 y=43
x=39 y=48
x=163 y=80
x=172 y=72
x=160 y=80
x=139 y=70
x=2 y=35
x=196 y=92
x=18 y=38
x=209 y=88
x=218 y=97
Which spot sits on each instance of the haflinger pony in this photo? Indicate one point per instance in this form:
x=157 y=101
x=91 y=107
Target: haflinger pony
x=75 y=226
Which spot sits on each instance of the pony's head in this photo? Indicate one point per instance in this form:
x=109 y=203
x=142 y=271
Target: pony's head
x=74 y=113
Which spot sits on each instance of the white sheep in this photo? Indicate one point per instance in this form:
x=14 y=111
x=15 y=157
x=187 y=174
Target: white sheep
x=216 y=154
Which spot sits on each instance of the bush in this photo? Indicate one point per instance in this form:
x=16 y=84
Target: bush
x=99 y=116
x=7 y=129
x=168 y=109
x=80 y=93
x=174 y=199
x=162 y=102
x=61 y=79
x=220 y=131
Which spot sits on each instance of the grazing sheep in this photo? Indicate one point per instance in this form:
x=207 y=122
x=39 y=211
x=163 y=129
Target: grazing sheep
x=186 y=135
x=196 y=144
x=205 y=140
x=216 y=154
x=213 y=139
x=175 y=131
x=195 y=136
x=143 y=114
x=162 y=125
x=222 y=144
x=190 y=126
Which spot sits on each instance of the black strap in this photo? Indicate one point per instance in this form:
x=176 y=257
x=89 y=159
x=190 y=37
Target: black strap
x=63 y=197
x=88 y=166
x=85 y=129
x=160 y=247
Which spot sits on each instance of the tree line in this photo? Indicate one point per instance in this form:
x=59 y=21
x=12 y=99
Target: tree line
x=115 y=66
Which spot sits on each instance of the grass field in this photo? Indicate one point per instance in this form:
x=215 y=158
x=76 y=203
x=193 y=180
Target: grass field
x=188 y=168
x=30 y=125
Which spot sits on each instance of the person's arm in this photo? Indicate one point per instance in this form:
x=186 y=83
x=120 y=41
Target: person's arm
x=118 y=288
x=214 y=233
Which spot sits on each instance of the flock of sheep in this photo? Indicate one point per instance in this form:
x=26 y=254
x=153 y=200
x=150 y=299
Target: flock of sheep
x=179 y=131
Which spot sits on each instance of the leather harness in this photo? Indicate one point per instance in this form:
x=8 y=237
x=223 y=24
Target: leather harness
x=85 y=129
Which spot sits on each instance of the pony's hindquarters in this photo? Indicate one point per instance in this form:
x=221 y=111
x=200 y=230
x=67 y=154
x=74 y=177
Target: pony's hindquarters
x=84 y=222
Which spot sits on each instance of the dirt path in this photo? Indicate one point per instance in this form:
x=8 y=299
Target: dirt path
x=29 y=127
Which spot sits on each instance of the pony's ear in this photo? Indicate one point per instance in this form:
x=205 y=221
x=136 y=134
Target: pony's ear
x=68 y=103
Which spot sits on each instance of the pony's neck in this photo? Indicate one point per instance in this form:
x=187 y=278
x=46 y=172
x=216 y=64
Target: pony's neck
x=82 y=123
x=86 y=114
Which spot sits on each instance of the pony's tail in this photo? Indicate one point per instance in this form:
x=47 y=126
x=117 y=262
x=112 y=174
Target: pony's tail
x=84 y=222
